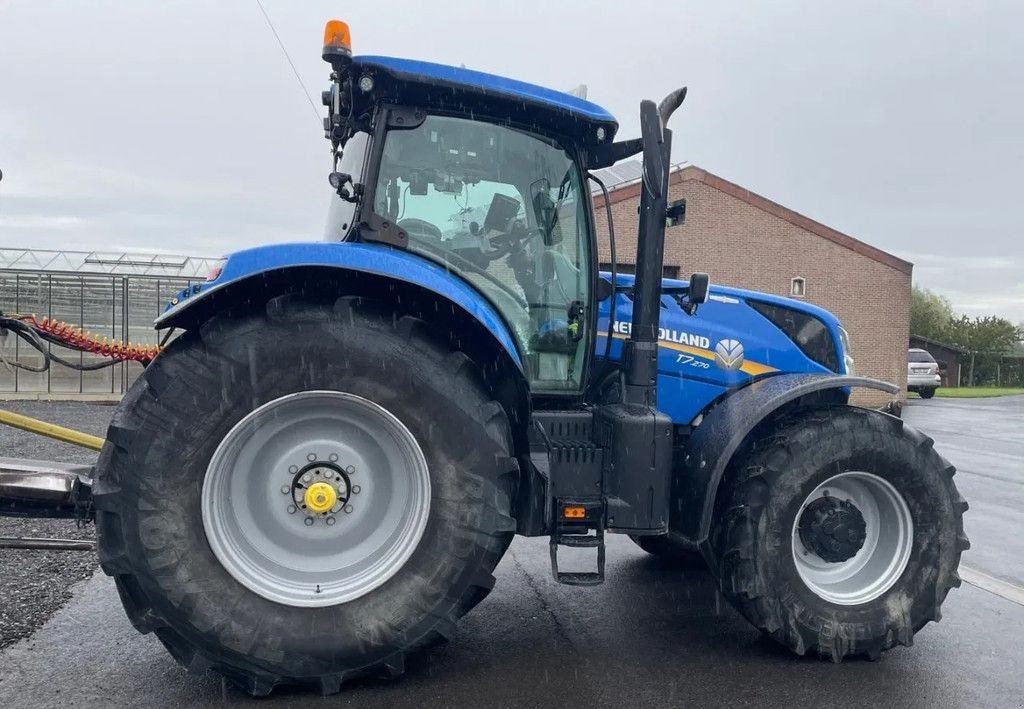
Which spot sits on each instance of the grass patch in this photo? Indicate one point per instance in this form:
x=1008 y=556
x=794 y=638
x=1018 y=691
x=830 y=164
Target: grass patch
x=976 y=392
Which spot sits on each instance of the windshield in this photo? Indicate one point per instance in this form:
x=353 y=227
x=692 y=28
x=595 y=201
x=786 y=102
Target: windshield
x=502 y=208
x=913 y=356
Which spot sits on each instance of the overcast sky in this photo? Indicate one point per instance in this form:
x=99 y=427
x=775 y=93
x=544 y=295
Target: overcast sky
x=179 y=127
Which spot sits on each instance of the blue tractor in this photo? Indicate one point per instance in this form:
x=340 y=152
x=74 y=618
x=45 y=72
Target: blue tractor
x=320 y=473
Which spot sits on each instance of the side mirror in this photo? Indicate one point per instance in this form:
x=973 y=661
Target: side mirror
x=697 y=292
x=676 y=213
x=700 y=284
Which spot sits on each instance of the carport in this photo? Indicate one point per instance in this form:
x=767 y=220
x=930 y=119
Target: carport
x=948 y=356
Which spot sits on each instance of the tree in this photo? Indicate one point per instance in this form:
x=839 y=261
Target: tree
x=931 y=315
x=989 y=335
x=987 y=339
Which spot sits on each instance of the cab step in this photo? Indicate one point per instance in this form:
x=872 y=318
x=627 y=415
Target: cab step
x=571 y=539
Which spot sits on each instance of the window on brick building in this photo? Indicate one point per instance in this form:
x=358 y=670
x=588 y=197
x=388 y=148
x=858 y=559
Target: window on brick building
x=798 y=287
x=666 y=271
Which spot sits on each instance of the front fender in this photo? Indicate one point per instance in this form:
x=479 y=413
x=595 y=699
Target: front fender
x=712 y=444
x=247 y=270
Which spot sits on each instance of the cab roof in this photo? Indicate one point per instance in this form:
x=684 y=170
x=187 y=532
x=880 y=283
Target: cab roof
x=476 y=90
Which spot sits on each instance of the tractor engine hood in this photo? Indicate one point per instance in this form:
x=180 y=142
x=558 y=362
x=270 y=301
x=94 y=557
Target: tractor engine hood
x=738 y=336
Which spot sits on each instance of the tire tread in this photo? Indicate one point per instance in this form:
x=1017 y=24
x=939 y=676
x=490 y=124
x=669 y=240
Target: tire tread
x=292 y=310
x=734 y=531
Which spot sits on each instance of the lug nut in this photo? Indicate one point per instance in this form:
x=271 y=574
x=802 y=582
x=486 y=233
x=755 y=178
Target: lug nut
x=308 y=521
x=331 y=521
x=291 y=509
x=356 y=489
x=333 y=457
x=348 y=509
x=285 y=489
x=293 y=469
x=307 y=477
x=350 y=469
x=311 y=457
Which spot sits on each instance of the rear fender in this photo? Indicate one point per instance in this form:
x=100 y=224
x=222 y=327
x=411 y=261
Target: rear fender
x=408 y=282
x=341 y=261
x=723 y=430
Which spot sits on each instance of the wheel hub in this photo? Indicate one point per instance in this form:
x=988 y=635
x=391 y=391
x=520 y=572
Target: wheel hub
x=320 y=497
x=320 y=489
x=833 y=529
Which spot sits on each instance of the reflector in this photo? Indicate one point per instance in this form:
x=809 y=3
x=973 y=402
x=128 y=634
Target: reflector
x=574 y=512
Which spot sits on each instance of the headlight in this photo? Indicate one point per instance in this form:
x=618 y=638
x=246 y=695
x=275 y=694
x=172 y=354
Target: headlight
x=844 y=343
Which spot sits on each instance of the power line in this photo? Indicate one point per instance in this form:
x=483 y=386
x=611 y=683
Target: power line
x=316 y=111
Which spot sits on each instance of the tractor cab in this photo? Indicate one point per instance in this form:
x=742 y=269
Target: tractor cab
x=484 y=176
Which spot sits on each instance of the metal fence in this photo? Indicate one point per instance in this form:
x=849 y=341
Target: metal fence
x=120 y=307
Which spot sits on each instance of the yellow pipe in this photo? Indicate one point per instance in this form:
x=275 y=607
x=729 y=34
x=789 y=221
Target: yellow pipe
x=52 y=430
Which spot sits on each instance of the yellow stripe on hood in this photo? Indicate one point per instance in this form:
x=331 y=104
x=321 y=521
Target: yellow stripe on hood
x=748 y=366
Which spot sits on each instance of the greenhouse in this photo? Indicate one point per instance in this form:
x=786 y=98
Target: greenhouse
x=114 y=295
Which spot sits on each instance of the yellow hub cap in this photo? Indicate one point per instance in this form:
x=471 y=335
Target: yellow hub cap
x=320 y=498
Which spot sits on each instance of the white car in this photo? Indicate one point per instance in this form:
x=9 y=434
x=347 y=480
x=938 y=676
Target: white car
x=922 y=373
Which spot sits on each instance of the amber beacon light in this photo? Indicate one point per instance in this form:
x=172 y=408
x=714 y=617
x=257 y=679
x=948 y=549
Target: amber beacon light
x=337 y=40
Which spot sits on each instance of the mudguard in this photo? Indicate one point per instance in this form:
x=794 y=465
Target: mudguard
x=253 y=268
x=713 y=443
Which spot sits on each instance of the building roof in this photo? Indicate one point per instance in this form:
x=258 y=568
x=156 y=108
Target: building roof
x=623 y=182
x=621 y=174
x=107 y=263
x=936 y=343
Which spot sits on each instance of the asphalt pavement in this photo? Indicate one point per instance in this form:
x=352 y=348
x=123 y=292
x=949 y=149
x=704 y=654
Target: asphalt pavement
x=650 y=636
x=33 y=585
x=984 y=439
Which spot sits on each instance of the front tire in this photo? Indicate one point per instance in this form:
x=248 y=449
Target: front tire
x=838 y=532
x=203 y=557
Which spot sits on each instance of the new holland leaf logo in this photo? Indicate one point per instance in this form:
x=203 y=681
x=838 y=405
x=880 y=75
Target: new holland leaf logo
x=729 y=355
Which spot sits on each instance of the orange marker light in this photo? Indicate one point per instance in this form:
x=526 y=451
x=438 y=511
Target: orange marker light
x=337 y=39
x=574 y=512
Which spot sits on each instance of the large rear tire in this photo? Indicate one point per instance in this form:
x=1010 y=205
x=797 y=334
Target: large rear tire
x=201 y=486
x=838 y=532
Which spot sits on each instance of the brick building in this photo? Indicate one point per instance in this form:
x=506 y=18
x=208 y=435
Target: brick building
x=743 y=239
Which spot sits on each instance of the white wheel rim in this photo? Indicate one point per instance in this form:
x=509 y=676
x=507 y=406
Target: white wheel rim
x=253 y=497
x=882 y=558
